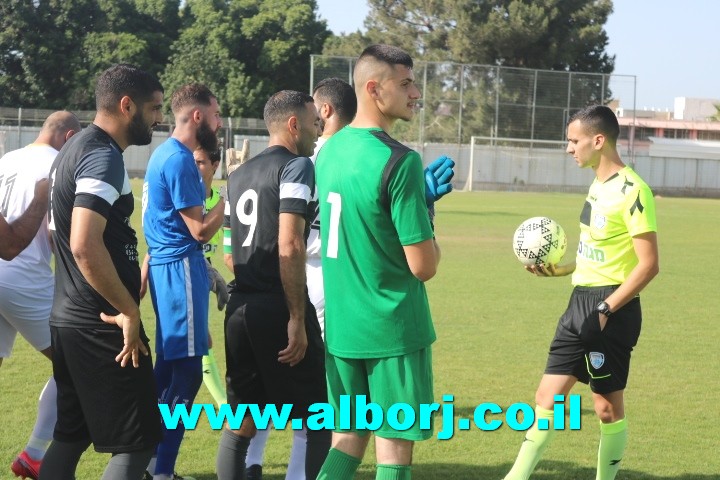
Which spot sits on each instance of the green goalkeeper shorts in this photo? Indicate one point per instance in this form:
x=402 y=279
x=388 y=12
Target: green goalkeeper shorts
x=387 y=383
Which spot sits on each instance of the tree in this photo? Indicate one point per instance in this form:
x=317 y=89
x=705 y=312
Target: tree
x=715 y=117
x=480 y=98
x=246 y=50
x=52 y=50
x=40 y=48
x=543 y=34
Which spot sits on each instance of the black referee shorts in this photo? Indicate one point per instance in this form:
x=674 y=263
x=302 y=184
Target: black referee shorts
x=255 y=331
x=581 y=349
x=114 y=407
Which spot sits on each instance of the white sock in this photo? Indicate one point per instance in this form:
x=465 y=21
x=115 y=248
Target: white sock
x=296 y=467
x=256 y=450
x=151 y=465
x=45 y=423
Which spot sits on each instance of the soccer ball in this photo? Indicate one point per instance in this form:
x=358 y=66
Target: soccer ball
x=539 y=240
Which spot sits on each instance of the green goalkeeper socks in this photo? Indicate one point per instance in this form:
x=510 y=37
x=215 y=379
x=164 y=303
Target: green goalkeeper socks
x=393 y=472
x=613 y=438
x=212 y=379
x=338 y=466
x=533 y=447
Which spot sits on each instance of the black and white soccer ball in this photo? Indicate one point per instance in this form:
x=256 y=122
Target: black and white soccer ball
x=539 y=240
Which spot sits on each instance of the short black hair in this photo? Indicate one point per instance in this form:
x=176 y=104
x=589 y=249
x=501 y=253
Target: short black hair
x=388 y=54
x=121 y=80
x=191 y=94
x=598 y=119
x=284 y=104
x=340 y=95
x=214 y=155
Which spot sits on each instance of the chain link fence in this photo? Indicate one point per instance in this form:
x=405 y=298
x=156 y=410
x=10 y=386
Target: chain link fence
x=460 y=101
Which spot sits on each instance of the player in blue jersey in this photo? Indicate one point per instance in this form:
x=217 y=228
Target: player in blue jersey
x=176 y=226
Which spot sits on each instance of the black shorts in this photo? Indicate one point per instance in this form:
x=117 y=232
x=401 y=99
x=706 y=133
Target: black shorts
x=114 y=407
x=255 y=331
x=600 y=358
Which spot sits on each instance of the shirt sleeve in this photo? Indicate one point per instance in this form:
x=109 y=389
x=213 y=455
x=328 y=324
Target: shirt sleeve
x=407 y=201
x=297 y=185
x=99 y=179
x=183 y=181
x=639 y=214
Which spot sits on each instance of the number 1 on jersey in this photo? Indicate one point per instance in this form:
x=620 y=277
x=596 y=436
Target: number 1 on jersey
x=335 y=202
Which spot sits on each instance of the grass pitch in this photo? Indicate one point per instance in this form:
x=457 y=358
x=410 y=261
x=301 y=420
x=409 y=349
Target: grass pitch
x=494 y=322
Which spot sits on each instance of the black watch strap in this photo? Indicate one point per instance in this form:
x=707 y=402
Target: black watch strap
x=603 y=308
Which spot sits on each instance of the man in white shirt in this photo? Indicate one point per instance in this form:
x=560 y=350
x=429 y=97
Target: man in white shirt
x=27 y=280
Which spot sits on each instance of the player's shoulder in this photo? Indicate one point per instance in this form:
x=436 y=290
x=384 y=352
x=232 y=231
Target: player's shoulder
x=170 y=151
x=632 y=181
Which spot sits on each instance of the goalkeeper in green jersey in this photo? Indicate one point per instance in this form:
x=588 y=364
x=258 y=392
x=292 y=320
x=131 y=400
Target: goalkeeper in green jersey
x=378 y=250
x=208 y=163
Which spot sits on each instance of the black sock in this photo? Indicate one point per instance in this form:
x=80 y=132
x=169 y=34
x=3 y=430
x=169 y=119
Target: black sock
x=128 y=465
x=61 y=460
x=318 y=445
x=231 y=456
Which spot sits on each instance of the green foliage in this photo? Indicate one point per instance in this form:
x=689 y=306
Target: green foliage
x=246 y=50
x=51 y=50
x=39 y=45
x=542 y=34
x=715 y=117
x=480 y=99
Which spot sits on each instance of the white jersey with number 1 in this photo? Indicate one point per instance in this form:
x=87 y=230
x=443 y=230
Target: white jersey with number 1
x=19 y=171
x=314 y=268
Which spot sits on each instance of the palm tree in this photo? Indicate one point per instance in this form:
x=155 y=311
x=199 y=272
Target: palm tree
x=716 y=116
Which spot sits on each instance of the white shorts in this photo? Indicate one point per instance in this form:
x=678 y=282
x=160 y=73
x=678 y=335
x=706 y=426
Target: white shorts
x=26 y=311
x=316 y=292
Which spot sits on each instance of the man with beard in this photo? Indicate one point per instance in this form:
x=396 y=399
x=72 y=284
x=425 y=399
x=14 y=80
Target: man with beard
x=95 y=326
x=273 y=346
x=176 y=227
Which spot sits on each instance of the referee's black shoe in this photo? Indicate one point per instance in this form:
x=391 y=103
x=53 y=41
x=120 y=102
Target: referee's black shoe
x=253 y=472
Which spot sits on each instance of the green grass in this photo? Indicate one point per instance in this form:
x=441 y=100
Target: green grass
x=494 y=322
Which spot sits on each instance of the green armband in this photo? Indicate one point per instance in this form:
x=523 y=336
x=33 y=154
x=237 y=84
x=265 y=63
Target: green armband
x=227 y=241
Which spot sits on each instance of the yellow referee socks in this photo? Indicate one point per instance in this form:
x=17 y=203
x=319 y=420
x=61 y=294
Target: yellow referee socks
x=212 y=379
x=613 y=438
x=536 y=441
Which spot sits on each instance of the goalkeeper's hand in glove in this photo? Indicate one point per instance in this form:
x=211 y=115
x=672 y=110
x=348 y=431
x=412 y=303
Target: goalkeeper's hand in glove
x=218 y=286
x=235 y=158
x=437 y=179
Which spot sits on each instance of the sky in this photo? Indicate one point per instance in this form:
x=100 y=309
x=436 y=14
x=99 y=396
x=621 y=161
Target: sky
x=669 y=46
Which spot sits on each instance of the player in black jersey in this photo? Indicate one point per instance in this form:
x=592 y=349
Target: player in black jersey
x=101 y=360
x=273 y=344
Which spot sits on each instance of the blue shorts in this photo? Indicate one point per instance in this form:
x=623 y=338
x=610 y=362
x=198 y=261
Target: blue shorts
x=179 y=291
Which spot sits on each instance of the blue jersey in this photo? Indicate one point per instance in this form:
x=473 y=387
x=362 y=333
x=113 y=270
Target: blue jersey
x=172 y=183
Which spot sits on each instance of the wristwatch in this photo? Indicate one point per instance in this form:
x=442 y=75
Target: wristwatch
x=603 y=308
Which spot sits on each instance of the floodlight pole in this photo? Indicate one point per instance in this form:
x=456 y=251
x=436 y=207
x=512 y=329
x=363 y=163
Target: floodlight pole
x=312 y=73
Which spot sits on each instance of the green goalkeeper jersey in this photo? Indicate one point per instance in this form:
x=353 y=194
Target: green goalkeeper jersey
x=371 y=191
x=615 y=210
x=210 y=247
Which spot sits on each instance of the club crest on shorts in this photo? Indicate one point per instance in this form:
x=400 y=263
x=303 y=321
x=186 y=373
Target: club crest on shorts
x=600 y=221
x=597 y=359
